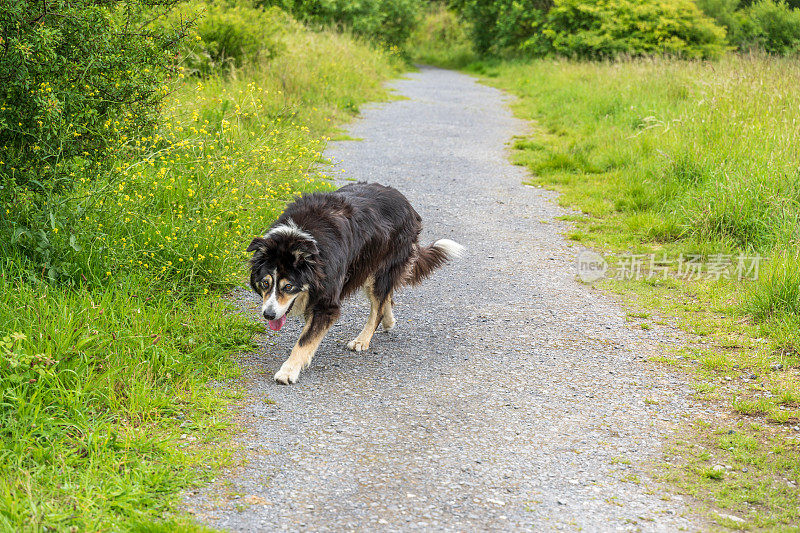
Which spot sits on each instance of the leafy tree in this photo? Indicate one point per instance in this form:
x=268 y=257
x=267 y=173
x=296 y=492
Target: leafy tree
x=505 y=25
x=228 y=34
x=794 y=4
x=773 y=26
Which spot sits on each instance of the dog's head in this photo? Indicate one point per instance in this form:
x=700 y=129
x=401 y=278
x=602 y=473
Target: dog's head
x=282 y=269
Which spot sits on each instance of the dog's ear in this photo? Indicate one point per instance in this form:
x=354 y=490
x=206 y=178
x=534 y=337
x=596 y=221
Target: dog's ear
x=259 y=243
x=305 y=252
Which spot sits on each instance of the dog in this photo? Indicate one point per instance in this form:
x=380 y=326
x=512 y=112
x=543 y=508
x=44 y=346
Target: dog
x=324 y=247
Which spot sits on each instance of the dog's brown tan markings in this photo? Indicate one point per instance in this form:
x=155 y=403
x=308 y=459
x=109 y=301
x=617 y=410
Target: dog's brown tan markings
x=377 y=314
x=287 y=286
x=303 y=350
x=283 y=298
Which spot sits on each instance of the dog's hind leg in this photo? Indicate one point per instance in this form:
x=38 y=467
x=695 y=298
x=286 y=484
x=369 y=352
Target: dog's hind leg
x=388 y=279
x=317 y=325
x=388 y=321
x=376 y=310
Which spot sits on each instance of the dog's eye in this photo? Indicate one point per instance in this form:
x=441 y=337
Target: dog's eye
x=288 y=287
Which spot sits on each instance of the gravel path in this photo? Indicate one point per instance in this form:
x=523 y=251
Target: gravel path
x=509 y=397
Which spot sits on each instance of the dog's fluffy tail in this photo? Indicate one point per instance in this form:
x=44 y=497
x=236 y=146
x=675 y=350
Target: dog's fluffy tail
x=429 y=258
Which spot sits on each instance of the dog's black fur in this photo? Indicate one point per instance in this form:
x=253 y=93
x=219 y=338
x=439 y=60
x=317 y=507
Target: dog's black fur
x=361 y=234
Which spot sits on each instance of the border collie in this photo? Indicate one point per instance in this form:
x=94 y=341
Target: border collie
x=327 y=245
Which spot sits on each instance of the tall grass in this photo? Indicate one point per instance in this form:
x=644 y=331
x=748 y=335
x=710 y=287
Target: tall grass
x=104 y=407
x=441 y=39
x=696 y=157
x=778 y=292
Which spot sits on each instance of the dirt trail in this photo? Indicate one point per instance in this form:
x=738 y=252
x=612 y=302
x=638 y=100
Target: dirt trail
x=509 y=396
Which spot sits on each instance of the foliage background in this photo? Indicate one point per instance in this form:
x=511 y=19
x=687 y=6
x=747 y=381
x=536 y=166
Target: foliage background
x=389 y=22
x=613 y=28
x=591 y=28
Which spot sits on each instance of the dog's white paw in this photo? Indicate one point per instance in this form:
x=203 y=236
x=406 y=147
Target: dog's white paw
x=388 y=323
x=357 y=345
x=288 y=374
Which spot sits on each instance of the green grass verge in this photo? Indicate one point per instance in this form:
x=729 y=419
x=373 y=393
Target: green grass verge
x=106 y=412
x=691 y=159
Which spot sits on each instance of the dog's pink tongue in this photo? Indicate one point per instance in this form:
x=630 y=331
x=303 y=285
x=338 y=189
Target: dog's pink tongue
x=275 y=325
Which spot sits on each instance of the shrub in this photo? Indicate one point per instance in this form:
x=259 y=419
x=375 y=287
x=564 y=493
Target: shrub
x=593 y=28
x=504 y=26
x=765 y=24
x=388 y=21
x=80 y=77
x=217 y=168
x=229 y=35
x=609 y=28
x=774 y=27
x=726 y=14
x=790 y=3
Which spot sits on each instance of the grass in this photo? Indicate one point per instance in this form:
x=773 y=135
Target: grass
x=441 y=39
x=106 y=412
x=100 y=391
x=733 y=188
x=745 y=470
x=693 y=164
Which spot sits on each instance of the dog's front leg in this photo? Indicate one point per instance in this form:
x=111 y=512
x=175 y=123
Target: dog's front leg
x=317 y=325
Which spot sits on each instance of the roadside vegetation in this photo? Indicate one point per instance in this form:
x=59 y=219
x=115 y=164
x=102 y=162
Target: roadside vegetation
x=678 y=160
x=387 y=23
x=442 y=39
x=143 y=144
x=130 y=186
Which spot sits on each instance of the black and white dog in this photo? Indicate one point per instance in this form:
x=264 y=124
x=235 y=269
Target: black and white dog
x=324 y=247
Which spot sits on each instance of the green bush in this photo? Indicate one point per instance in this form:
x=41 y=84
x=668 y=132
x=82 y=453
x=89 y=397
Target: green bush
x=726 y=14
x=592 y=28
x=609 y=28
x=229 y=35
x=767 y=25
x=774 y=27
x=790 y=3
x=504 y=26
x=388 y=21
x=79 y=79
